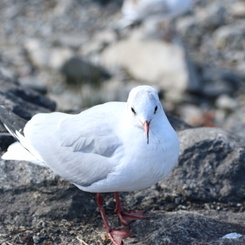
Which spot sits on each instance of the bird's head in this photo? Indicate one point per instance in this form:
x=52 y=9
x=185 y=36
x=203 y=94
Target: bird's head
x=143 y=107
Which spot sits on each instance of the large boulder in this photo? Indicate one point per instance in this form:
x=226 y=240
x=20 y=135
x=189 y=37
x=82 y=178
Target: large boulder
x=153 y=61
x=211 y=166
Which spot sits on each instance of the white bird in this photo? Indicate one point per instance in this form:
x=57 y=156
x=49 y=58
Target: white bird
x=139 y=10
x=111 y=147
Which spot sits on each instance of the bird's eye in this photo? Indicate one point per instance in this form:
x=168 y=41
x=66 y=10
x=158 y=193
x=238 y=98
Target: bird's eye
x=155 y=110
x=132 y=109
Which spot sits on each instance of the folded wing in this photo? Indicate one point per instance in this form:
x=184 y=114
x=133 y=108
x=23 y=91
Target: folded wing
x=81 y=148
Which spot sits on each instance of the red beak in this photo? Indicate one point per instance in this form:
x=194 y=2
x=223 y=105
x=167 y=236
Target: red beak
x=146 y=129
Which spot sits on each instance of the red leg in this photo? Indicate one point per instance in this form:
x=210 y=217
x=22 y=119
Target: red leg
x=127 y=216
x=116 y=235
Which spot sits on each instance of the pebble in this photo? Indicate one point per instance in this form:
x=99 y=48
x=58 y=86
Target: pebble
x=36 y=239
x=232 y=235
x=225 y=102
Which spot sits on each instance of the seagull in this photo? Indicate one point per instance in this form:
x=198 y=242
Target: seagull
x=138 y=10
x=112 y=147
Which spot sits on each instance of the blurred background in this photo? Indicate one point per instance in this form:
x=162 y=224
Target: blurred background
x=84 y=52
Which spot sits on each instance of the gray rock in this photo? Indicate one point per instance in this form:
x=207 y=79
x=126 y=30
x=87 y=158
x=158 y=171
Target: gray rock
x=154 y=62
x=182 y=228
x=11 y=177
x=210 y=167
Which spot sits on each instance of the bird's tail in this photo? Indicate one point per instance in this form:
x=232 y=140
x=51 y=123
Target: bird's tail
x=15 y=126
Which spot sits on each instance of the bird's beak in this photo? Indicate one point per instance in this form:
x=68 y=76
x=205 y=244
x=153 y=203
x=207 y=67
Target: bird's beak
x=146 y=125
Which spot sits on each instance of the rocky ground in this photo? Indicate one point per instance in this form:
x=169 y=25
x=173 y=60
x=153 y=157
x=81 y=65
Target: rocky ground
x=70 y=51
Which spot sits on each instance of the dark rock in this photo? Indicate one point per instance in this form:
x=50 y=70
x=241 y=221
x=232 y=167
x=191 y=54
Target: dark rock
x=22 y=101
x=211 y=166
x=77 y=71
x=5 y=139
x=183 y=228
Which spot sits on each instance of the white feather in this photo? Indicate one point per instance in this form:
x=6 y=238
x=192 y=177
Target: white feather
x=17 y=152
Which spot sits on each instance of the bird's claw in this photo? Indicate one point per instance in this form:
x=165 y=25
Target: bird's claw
x=127 y=217
x=117 y=235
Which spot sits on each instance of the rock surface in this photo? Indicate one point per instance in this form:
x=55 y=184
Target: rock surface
x=211 y=166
